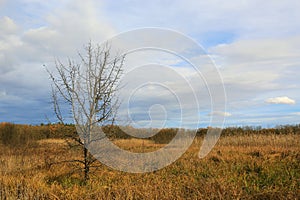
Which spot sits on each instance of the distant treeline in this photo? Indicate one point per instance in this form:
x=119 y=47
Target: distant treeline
x=20 y=135
x=16 y=134
x=249 y=130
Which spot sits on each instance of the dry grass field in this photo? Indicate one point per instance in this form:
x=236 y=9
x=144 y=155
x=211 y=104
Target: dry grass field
x=239 y=167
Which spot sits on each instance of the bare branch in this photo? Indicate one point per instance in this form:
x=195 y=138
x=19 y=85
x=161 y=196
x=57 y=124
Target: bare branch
x=89 y=87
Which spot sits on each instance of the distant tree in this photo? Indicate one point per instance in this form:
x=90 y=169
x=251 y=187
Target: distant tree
x=8 y=133
x=89 y=88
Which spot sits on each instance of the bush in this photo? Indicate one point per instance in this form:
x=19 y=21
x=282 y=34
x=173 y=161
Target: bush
x=7 y=133
x=13 y=135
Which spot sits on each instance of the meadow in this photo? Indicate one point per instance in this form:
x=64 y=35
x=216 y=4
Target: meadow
x=241 y=166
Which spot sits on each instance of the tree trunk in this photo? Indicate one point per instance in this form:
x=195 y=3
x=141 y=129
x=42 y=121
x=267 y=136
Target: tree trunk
x=86 y=165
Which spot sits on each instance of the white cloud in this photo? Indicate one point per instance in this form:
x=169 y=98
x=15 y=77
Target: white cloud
x=150 y=85
x=7 y=25
x=34 y=35
x=220 y=114
x=65 y=29
x=242 y=18
x=259 y=50
x=2 y=94
x=2 y=2
x=281 y=100
x=9 y=42
x=255 y=68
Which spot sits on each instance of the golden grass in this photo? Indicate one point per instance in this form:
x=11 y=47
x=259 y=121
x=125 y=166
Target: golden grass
x=239 y=167
x=137 y=145
x=52 y=141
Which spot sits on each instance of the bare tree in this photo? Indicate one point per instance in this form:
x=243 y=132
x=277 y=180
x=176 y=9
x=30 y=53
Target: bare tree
x=88 y=87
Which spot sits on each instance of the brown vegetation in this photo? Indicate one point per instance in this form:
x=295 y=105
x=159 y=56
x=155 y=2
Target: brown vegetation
x=260 y=165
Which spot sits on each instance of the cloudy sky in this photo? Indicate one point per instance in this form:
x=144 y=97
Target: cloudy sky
x=255 y=46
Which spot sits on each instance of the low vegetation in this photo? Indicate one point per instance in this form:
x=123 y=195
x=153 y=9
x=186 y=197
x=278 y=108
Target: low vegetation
x=246 y=163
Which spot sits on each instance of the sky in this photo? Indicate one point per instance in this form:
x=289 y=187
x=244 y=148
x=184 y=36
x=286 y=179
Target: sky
x=254 y=45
